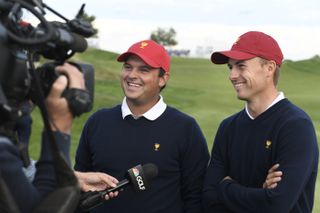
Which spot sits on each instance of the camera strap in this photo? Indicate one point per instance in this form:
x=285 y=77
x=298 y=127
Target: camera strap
x=66 y=197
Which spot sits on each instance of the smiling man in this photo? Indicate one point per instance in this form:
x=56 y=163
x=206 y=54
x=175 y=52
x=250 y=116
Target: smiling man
x=143 y=129
x=265 y=157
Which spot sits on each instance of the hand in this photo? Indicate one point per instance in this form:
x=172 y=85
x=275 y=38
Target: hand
x=60 y=115
x=96 y=181
x=273 y=177
x=226 y=178
x=76 y=79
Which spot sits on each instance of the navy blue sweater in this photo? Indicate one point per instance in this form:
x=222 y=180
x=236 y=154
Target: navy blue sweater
x=246 y=149
x=28 y=195
x=113 y=145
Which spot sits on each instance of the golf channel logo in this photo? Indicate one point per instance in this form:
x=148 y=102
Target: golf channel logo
x=138 y=179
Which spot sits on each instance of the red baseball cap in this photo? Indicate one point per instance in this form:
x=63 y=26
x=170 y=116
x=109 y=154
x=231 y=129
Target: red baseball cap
x=150 y=52
x=250 y=45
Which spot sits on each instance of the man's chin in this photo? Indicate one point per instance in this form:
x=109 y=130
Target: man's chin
x=242 y=98
x=133 y=98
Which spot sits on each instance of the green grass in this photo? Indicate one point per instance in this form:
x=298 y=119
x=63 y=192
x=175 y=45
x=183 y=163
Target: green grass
x=198 y=88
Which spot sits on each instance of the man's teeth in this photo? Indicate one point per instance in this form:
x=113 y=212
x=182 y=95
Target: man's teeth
x=238 y=84
x=133 y=85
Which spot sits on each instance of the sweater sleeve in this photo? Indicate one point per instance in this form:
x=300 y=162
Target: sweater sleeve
x=298 y=158
x=193 y=166
x=27 y=195
x=45 y=179
x=83 y=157
x=216 y=171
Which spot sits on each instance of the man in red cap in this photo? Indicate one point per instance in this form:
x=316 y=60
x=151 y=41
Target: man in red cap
x=141 y=130
x=265 y=157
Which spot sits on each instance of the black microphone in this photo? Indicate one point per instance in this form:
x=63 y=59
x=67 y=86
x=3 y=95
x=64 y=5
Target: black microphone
x=62 y=44
x=138 y=177
x=72 y=41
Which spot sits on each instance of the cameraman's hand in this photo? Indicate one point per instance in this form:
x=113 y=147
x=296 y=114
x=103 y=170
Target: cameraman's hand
x=60 y=115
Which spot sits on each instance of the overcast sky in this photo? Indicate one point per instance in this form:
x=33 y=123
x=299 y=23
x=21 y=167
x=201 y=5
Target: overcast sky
x=203 y=24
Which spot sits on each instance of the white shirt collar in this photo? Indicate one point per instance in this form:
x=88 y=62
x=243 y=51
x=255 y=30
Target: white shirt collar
x=278 y=98
x=152 y=114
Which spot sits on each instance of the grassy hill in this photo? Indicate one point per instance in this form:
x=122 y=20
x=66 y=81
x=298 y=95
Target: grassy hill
x=198 y=88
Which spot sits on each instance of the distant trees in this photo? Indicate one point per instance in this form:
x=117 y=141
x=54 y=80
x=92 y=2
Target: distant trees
x=167 y=38
x=164 y=37
x=90 y=19
x=87 y=18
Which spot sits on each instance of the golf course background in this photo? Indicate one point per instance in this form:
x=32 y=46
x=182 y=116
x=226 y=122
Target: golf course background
x=198 y=88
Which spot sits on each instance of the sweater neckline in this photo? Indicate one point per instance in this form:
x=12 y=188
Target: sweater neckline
x=268 y=113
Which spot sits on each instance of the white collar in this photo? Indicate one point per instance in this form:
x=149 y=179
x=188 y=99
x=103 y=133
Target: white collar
x=278 y=98
x=152 y=114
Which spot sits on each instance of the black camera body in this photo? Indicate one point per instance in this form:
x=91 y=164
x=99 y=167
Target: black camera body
x=20 y=80
x=79 y=101
x=20 y=46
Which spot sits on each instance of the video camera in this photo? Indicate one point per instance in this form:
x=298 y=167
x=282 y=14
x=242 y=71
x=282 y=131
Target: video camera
x=21 y=44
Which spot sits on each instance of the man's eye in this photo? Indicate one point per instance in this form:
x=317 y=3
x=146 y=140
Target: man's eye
x=144 y=70
x=241 y=66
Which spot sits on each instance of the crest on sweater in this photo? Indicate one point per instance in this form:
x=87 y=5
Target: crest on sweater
x=156 y=146
x=268 y=144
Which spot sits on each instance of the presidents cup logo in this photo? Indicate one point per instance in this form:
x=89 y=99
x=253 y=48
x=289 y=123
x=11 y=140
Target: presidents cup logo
x=143 y=44
x=268 y=144
x=139 y=179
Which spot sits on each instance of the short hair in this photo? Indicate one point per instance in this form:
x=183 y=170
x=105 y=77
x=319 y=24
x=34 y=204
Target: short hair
x=276 y=72
x=161 y=74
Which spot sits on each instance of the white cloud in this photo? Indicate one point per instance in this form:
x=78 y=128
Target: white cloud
x=296 y=42
x=205 y=23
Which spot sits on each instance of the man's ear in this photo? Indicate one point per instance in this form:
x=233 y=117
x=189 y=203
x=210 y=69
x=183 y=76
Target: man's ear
x=271 y=67
x=164 y=79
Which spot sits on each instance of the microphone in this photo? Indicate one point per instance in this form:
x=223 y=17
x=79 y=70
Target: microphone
x=62 y=44
x=138 y=177
x=72 y=41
